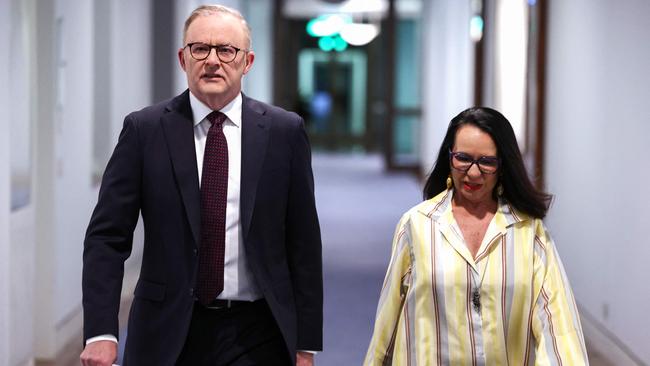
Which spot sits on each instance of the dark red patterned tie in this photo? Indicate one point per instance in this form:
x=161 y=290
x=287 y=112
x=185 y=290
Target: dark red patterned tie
x=214 y=191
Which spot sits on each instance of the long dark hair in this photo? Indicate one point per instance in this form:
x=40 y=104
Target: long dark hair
x=518 y=190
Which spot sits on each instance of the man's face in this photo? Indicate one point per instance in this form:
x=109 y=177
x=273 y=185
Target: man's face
x=212 y=81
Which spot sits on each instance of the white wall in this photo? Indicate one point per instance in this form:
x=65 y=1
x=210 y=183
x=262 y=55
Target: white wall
x=258 y=81
x=20 y=253
x=5 y=21
x=448 y=64
x=46 y=73
x=598 y=128
x=131 y=60
x=65 y=191
x=48 y=58
x=73 y=153
x=131 y=90
x=63 y=168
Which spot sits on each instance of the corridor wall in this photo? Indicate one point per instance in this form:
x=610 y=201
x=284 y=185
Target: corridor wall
x=598 y=127
x=41 y=241
x=4 y=187
x=16 y=216
x=258 y=82
x=63 y=167
x=447 y=73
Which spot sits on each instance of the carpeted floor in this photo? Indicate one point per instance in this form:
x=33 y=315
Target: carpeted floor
x=359 y=206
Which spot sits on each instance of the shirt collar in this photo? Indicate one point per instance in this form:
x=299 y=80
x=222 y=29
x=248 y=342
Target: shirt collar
x=232 y=110
x=440 y=205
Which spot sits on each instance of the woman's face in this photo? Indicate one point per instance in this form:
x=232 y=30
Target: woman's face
x=473 y=185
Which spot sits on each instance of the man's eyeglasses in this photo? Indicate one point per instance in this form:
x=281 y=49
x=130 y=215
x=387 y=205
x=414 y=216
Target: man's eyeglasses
x=226 y=53
x=463 y=162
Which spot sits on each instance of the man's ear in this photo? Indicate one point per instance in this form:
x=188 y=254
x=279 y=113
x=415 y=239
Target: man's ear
x=250 y=58
x=181 y=58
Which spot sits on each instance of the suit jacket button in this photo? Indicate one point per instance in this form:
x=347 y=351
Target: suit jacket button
x=195 y=251
x=191 y=292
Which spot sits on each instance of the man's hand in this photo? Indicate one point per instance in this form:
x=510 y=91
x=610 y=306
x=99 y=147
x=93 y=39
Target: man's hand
x=100 y=353
x=304 y=359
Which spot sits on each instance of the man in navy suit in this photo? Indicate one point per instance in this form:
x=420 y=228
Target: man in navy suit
x=232 y=269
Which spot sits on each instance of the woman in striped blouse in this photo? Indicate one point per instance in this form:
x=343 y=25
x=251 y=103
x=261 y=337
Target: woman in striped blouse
x=474 y=277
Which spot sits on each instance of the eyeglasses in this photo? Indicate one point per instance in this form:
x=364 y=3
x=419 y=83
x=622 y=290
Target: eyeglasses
x=226 y=53
x=463 y=162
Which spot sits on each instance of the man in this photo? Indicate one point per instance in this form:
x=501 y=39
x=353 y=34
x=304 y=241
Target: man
x=231 y=270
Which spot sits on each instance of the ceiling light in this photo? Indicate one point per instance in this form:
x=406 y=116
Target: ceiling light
x=359 y=34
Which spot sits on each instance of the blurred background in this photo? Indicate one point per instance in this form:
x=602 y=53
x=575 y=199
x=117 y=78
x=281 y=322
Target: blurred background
x=377 y=82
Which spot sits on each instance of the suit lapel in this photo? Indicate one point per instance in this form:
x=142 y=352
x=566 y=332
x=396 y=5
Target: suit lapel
x=255 y=136
x=178 y=127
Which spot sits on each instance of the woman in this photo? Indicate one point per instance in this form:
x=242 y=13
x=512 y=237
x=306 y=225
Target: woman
x=474 y=277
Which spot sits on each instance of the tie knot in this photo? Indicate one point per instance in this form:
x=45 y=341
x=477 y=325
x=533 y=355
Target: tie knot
x=216 y=118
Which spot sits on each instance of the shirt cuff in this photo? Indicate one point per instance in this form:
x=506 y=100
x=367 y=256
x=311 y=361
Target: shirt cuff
x=312 y=352
x=103 y=337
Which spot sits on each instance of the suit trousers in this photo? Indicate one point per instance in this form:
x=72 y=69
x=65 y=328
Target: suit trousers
x=245 y=335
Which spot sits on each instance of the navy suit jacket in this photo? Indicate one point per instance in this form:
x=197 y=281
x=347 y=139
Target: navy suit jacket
x=153 y=172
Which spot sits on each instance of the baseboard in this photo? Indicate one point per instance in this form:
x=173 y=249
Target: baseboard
x=68 y=354
x=29 y=362
x=604 y=347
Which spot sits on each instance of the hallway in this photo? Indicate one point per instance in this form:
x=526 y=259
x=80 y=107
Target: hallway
x=358 y=206
x=72 y=70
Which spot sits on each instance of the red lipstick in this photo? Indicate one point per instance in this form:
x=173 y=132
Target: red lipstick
x=472 y=186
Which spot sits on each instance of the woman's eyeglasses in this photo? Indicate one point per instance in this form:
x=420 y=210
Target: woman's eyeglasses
x=463 y=162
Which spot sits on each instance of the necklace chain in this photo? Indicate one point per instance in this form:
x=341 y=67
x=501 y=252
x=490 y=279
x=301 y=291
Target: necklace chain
x=476 y=294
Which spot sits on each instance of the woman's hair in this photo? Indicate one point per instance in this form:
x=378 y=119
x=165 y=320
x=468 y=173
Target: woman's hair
x=518 y=190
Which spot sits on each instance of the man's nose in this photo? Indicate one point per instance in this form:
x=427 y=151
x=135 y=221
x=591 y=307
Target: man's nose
x=212 y=58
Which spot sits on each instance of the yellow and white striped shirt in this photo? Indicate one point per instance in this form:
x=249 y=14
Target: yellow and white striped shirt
x=523 y=314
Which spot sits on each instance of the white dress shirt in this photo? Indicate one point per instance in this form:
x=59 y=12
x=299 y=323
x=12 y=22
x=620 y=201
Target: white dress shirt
x=238 y=282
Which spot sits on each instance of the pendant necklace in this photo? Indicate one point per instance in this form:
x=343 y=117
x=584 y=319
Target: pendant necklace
x=476 y=300
x=476 y=294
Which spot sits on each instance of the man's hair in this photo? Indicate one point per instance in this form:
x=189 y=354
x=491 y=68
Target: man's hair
x=205 y=10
